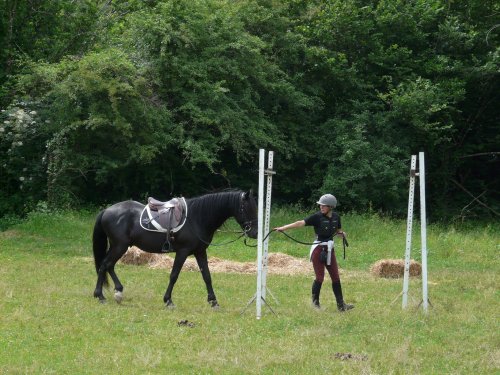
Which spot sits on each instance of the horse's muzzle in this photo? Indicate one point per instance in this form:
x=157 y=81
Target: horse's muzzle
x=250 y=228
x=252 y=232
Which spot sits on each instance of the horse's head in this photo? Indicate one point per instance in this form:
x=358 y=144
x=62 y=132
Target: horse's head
x=247 y=214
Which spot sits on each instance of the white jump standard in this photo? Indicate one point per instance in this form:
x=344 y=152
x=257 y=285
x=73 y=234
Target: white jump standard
x=423 y=230
x=263 y=227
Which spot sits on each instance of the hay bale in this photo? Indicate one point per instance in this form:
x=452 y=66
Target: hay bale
x=393 y=268
x=136 y=256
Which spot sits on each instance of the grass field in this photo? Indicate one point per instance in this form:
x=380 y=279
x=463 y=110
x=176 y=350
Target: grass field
x=51 y=324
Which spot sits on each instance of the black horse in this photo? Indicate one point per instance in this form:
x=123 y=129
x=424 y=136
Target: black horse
x=120 y=226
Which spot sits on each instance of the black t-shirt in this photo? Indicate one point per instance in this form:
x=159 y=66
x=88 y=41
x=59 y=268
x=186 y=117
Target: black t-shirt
x=324 y=227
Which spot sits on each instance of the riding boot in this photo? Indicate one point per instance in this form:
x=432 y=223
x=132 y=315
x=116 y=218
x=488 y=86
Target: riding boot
x=316 y=289
x=341 y=305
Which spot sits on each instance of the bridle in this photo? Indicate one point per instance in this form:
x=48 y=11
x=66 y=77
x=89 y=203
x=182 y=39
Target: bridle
x=247 y=224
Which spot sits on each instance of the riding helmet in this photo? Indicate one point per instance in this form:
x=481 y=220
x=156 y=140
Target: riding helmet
x=328 y=200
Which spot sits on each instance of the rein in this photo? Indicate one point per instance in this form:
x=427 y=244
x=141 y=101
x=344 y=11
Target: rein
x=248 y=226
x=222 y=243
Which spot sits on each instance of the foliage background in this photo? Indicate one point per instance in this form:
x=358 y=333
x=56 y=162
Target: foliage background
x=110 y=100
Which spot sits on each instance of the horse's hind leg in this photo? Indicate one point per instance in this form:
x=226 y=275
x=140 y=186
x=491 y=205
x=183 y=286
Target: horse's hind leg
x=101 y=279
x=118 y=285
x=201 y=259
x=108 y=266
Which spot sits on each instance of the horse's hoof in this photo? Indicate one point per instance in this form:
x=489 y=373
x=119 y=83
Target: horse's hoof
x=169 y=305
x=118 y=296
x=214 y=304
x=100 y=296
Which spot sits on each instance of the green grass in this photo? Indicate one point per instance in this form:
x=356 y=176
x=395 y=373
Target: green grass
x=51 y=324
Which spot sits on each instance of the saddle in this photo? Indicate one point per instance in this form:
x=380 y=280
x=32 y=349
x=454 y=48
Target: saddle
x=165 y=217
x=170 y=213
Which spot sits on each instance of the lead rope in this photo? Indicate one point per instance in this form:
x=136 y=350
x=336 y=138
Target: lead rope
x=345 y=243
x=344 y=240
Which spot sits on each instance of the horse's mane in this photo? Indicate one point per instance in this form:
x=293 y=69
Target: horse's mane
x=207 y=207
x=213 y=200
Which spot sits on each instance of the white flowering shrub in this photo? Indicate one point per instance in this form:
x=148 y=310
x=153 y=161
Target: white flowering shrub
x=22 y=161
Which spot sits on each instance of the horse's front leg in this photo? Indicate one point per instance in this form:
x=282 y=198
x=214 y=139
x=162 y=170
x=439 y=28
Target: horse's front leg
x=180 y=258
x=201 y=259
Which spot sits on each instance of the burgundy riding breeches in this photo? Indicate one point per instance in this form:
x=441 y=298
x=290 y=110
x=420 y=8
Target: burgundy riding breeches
x=319 y=268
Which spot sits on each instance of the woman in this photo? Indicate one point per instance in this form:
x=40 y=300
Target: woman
x=326 y=225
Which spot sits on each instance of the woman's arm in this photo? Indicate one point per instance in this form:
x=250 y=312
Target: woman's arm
x=297 y=224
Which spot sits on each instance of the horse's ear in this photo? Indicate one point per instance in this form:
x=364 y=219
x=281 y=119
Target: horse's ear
x=247 y=194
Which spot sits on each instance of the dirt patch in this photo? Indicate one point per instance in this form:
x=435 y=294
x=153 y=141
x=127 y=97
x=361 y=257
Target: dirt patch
x=277 y=263
x=12 y=233
x=393 y=268
x=350 y=356
x=185 y=323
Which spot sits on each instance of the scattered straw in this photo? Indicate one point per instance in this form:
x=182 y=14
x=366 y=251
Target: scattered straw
x=278 y=263
x=393 y=268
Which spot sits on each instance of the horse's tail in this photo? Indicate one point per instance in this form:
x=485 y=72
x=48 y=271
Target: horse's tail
x=99 y=244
